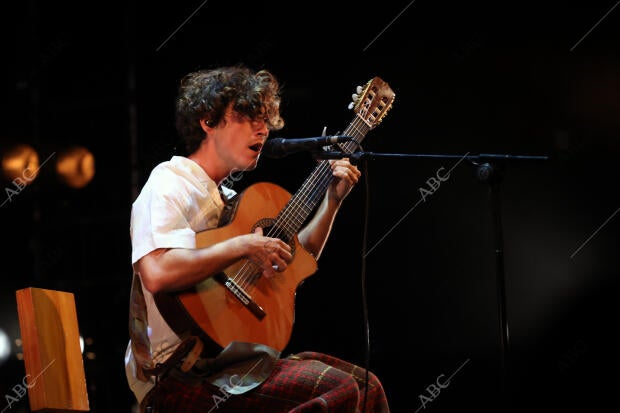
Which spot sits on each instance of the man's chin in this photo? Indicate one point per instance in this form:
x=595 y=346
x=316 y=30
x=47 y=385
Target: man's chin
x=252 y=165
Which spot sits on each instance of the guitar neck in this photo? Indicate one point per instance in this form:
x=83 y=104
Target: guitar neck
x=303 y=202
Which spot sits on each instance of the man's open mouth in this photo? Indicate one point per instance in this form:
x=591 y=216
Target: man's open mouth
x=256 y=147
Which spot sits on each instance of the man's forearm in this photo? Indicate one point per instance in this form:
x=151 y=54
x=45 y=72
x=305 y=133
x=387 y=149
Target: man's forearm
x=178 y=268
x=314 y=235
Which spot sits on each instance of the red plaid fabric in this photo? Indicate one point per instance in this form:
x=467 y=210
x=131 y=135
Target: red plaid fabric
x=303 y=383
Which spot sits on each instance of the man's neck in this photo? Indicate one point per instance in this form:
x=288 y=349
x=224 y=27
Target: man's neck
x=210 y=168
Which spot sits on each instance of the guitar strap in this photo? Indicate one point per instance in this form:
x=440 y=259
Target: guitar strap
x=230 y=207
x=138 y=324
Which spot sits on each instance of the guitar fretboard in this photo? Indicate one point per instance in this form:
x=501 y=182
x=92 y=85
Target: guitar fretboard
x=304 y=201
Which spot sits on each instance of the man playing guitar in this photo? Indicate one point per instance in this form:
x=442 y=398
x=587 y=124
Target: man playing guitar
x=218 y=351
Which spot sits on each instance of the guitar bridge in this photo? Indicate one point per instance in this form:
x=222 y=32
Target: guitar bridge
x=240 y=295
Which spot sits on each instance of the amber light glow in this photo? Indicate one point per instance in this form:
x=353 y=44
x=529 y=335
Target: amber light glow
x=76 y=167
x=20 y=162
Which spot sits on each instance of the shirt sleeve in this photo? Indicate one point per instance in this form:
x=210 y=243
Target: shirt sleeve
x=158 y=220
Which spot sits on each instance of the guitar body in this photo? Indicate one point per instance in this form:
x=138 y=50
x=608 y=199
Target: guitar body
x=218 y=313
x=239 y=304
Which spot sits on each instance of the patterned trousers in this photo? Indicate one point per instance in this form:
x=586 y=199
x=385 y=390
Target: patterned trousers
x=302 y=383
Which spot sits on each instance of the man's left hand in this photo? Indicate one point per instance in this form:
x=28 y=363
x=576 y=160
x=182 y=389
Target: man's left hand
x=346 y=176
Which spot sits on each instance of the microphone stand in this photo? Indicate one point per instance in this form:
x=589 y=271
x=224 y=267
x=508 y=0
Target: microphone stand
x=489 y=169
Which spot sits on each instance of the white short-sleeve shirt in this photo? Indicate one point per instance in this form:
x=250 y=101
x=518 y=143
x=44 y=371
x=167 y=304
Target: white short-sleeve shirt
x=177 y=201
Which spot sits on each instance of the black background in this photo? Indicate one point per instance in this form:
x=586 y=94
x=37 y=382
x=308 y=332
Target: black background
x=469 y=77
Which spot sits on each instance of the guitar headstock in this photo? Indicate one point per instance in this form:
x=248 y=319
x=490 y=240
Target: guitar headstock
x=372 y=102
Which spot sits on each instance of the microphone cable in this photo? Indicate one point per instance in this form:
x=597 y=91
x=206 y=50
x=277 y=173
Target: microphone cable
x=366 y=207
x=366 y=322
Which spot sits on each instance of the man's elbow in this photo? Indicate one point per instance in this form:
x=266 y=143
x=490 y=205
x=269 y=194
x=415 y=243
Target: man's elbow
x=151 y=283
x=151 y=275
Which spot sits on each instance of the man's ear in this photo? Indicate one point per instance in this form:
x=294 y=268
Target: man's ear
x=206 y=125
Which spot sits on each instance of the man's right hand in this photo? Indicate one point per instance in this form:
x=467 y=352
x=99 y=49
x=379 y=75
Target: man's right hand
x=270 y=254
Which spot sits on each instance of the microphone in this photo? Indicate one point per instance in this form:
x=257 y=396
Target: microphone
x=281 y=147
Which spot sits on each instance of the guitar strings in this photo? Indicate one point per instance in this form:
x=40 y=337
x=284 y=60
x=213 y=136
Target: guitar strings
x=309 y=191
x=249 y=272
x=323 y=170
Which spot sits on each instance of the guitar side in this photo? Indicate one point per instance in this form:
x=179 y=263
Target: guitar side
x=215 y=310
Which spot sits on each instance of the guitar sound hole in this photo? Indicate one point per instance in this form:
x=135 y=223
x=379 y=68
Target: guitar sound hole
x=273 y=231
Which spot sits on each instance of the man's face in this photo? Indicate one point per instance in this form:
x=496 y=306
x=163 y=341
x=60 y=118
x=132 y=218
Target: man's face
x=238 y=140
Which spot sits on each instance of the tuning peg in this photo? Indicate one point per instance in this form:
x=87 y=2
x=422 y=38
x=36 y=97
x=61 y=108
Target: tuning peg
x=324 y=131
x=355 y=96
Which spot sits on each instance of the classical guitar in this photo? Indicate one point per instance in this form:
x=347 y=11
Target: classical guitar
x=238 y=303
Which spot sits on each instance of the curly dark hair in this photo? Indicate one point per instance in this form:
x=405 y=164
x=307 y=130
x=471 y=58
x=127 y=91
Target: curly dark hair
x=207 y=94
